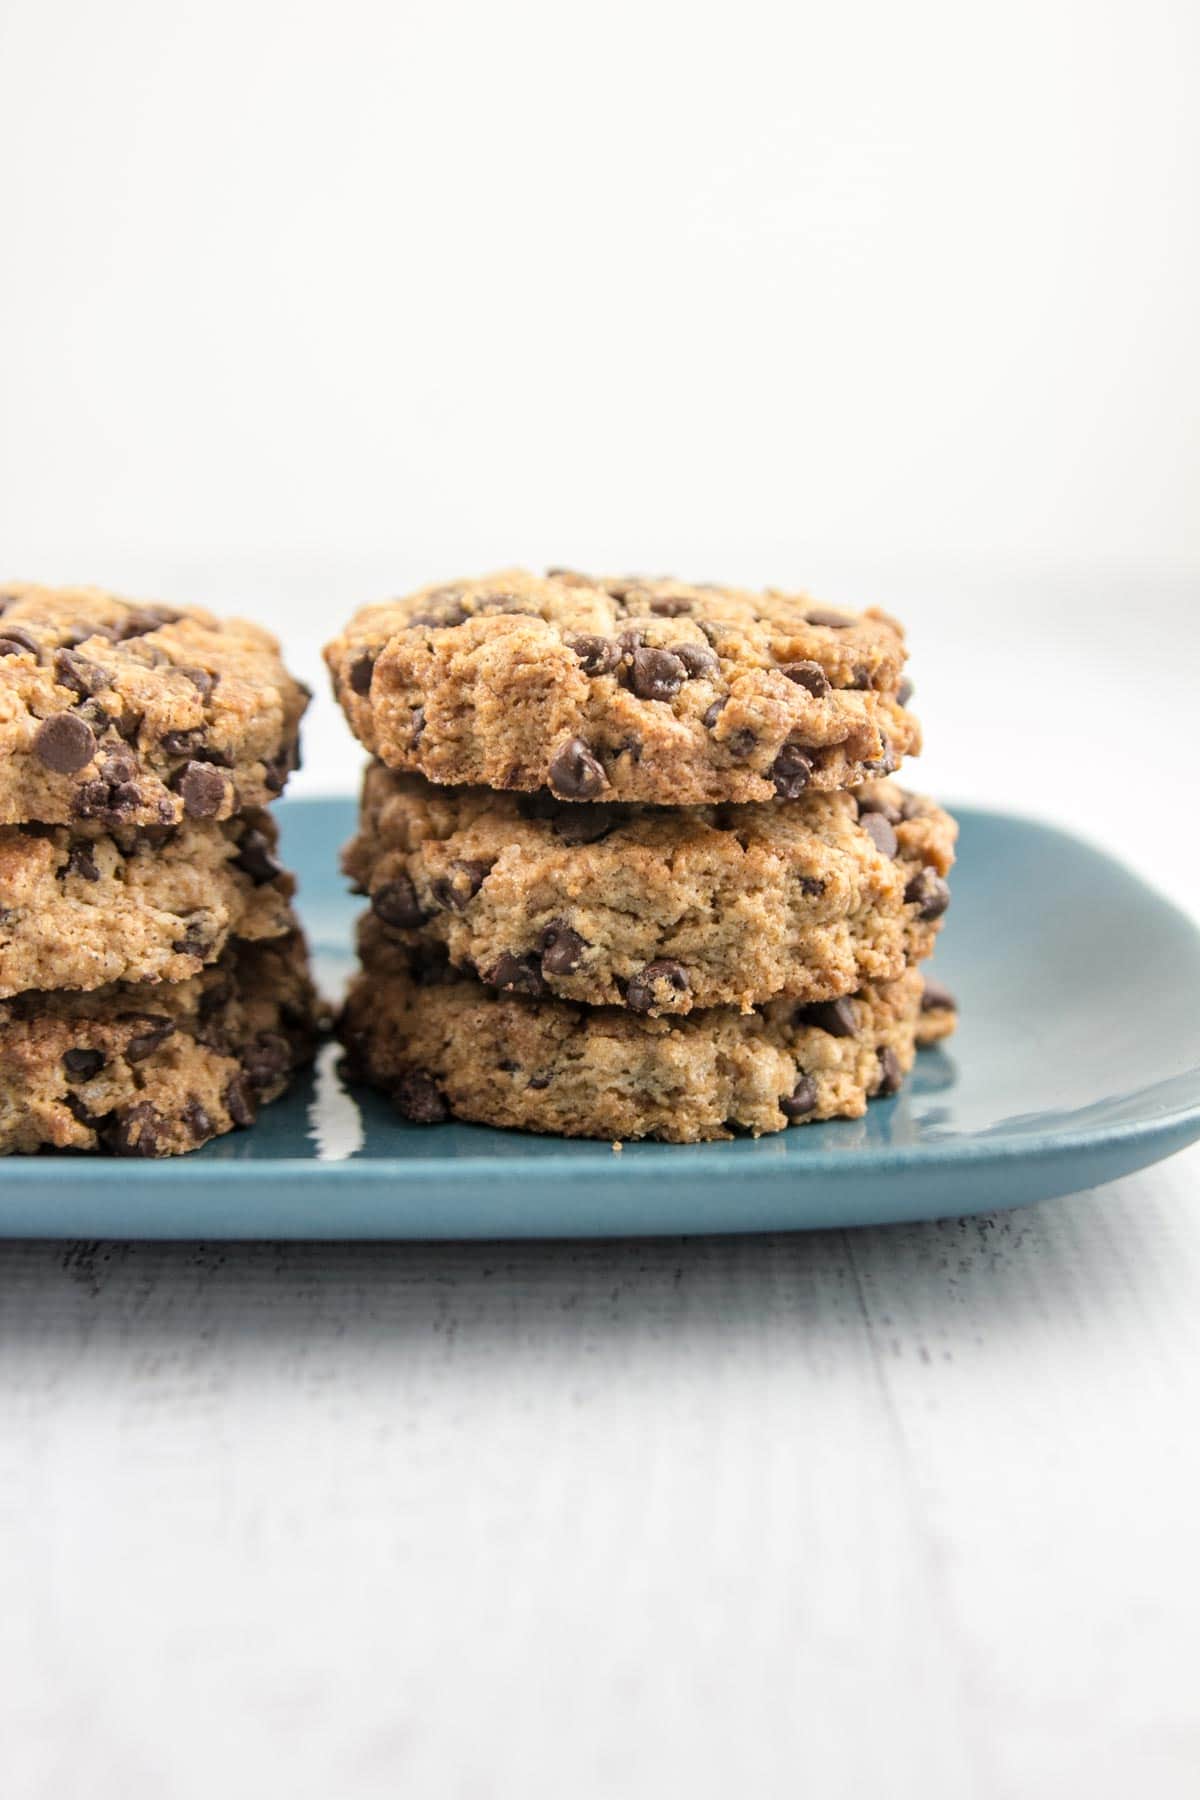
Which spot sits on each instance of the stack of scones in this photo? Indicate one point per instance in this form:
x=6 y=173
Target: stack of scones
x=635 y=861
x=154 y=986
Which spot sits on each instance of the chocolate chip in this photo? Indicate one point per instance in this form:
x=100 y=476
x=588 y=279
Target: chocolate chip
x=597 y=655
x=417 y=730
x=562 y=948
x=202 y=790
x=518 y=975
x=791 y=772
x=642 y=992
x=94 y=716
x=904 y=692
x=801 y=1101
x=267 y=1059
x=574 y=771
x=156 y=1029
x=136 y=1131
x=697 y=660
x=129 y=724
x=418 y=1098
x=656 y=674
x=64 y=744
x=201 y=679
x=576 y=825
x=240 y=1102
x=860 y=678
x=882 y=765
x=811 y=884
x=891 y=1075
x=457 y=889
x=453 y=613
x=142 y=620
x=629 y=642
x=838 y=1017
x=197 y=940
x=928 y=893
x=396 y=903
x=875 y=803
x=937 y=998
x=276 y=772
x=670 y=606
x=713 y=713
x=824 y=615
x=16 y=641
x=808 y=675
x=255 y=857
x=81 y=861
x=538 y=1082
x=195 y=1116
x=81 y=1065
x=77 y=673
x=182 y=743
x=880 y=833
x=361 y=671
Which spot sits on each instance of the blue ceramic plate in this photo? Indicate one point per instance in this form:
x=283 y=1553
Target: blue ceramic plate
x=1077 y=1060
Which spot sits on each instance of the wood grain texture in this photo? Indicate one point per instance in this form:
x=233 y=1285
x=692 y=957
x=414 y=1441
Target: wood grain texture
x=909 y=1511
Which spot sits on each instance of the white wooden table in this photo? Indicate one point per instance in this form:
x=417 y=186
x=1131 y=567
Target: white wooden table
x=897 y=1512
x=885 y=1513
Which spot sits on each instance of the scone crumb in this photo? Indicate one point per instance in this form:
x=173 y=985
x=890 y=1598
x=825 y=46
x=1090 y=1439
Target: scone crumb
x=618 y=1146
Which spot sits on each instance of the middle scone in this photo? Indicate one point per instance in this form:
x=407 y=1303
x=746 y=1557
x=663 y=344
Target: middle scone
x=657 y=909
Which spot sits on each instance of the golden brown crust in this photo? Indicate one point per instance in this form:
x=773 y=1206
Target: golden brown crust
x=80 y=911
x=158 y=1072
x=642 y=690
x=443 y=1046
x=665 y=910
x=127 y=714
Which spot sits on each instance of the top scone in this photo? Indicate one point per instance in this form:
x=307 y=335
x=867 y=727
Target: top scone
x=131 y=715
x=626 y=689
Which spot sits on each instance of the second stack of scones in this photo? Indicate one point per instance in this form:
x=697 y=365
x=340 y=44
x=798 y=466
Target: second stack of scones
x=635 y=862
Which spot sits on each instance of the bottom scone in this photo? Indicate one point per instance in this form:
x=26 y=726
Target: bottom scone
x=441 y=1045
x=153 y=1071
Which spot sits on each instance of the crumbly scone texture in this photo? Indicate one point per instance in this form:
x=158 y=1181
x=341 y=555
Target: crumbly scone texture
x=660 y=909
x=126 y=714
x=443 y=1046
x=154 y=1074
x=80 y=907
x=626 y=689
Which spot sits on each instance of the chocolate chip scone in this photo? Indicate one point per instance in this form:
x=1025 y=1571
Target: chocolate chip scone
x=81 y=907
x=154 y=1074
x=659 y=909
x=442 y=1046
x=125 y=714
x=631 y=689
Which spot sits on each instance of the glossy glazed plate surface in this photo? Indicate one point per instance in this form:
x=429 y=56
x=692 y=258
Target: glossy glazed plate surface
x=1077 y=1059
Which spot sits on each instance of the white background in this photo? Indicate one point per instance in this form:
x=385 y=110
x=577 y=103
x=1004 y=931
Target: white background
x=303 y=304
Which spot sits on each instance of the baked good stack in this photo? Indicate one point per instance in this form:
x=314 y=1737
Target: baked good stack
x=636 y=865
x=154 y=985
